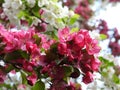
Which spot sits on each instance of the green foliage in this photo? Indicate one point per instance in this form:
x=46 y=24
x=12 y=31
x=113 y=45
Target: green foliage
x=16 y=55
x=103 y=36
x=5 y=85
x=73 y=19
x=52 y=34
x=68 y=70
x=37 y=39
x=39 y=85
x=105 y=63
x=116 y=79
x=24 y=78
x=9 y=68
x=35 y=10
x=74 y=30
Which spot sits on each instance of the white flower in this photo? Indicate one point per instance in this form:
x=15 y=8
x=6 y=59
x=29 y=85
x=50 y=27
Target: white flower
x=14 y=78
x=36 y=21
x=31 y=3
x=16 y=4
x=94 y=34
x=42 y=3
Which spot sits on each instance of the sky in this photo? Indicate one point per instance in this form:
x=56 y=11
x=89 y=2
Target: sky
x=111 y=15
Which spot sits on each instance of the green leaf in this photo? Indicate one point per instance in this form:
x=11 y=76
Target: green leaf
x=35 y=11
x=52 y=34
x=16 y=55
x=24 y=79
x=73 y=19
x=39 y=85
x=37 y=39
x=68 y=70
x=9 y=68
x=74 y=30
x=116 y=79
x=105 y=63
x=12 y=56
x=1 y=1
x=6 y=85
x=103 y=36
x=22 y=14
x=24 y=54
x=55 y=0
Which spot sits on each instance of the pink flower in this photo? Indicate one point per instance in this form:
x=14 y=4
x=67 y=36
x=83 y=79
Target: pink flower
x=62 y=48
x=21 y=87
x=27 y=66
x=64 y=35
x=32 y=79
x=92 y=46
x=88 y=77
x=79 y=39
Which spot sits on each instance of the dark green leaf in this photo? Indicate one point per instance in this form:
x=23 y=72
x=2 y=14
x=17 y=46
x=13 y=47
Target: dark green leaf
x=12 y=56
x=39 y=86
x=52 y=34
x=68 y=70
x=9 y=68
x=37 y=39
x=16 y=55
x=5 y=85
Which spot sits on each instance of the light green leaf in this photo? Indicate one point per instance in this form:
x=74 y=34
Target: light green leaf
x=73 y=19
x=103 y=36
x=74 y=30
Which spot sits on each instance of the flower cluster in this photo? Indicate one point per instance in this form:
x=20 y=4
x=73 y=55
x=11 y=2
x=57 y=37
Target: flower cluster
x=114 y=38
x=38 y=56
x=114 y=1
x=38 y=12
x=83 y=9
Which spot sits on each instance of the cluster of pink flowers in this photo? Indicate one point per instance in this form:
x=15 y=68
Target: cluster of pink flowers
x=103 y=27
x=80 y=49
x=115 y=45
x=83 y=9
x=114 y=0
x=39 y=55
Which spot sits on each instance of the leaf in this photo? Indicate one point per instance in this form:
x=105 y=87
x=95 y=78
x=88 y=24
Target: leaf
x=105 y=63
x=24 y=79
x=116 y=79
x=16 y=55
x=24 y=54
x=12 y=56
x=74 y=30
x=73 y=19
x=68 y=70
x=37 y=39
x=9 y=68
x=35 y=11
x=22 y=14
x=39 y=85
x=52 y=34
x=5 y=85
x=103 y=36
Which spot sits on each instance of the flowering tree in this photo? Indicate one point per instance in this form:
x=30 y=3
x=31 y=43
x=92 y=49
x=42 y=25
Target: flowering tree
x=49 y=45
